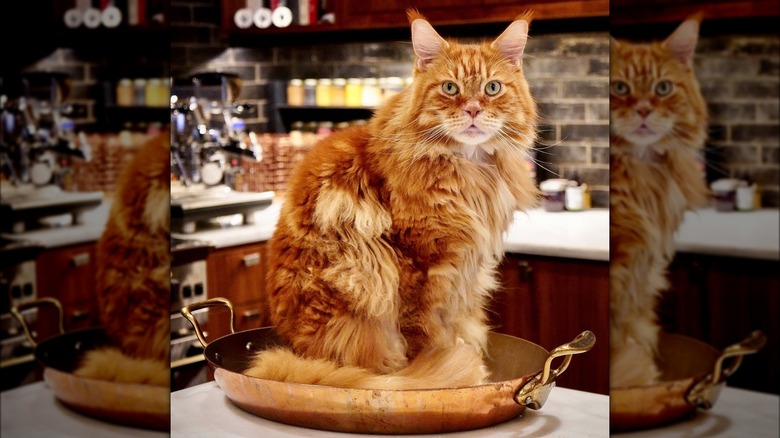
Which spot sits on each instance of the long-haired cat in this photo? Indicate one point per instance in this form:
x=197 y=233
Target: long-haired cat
x=385 y=252
x=133 y=274
x=658 y=126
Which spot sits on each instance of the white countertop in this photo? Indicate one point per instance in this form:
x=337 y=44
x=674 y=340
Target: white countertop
x=582 y=234
x=750 y=234
x=574 y=234
x=61 y=231
x=204 y=411
x=737 y=413
x=33 y=411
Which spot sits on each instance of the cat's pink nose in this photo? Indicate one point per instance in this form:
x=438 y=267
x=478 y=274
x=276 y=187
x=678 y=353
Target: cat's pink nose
x=644 y=111
x=472 y=109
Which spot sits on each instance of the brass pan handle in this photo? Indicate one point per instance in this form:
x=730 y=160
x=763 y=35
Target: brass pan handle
x=704 y=393
x=211 y=302
x=17 y=310
x=534 y=393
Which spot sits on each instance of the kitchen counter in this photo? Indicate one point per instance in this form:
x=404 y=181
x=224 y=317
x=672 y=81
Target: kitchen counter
x=60 y=231
x=582 y=234
x=33 y=411
x=749 y=234
x=204 y=411
x=737 y=413
x=573 y=234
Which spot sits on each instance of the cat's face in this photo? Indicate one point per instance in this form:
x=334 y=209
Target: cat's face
x=654 y=95
x=473 y=94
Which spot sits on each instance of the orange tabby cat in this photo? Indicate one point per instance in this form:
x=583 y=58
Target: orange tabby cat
x=386 y=250
x=133 y=271
x=658 y=126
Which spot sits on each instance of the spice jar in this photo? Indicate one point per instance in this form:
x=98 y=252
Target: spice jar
x=295 y=92
x=156 y=93
x=554 y=193
x=354 y=92
x=338 y=92
x=323 y=94
x=372 y=94
x=393 y=86
x=139 y=93
x=310 y=92
x=125 y=95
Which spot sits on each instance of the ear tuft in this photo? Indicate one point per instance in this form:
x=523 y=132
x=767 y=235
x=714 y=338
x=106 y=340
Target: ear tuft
x=413 y=14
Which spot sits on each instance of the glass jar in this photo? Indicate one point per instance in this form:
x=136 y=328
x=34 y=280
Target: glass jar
x=310 y=92
x=156 y=93
x=324 y=92
x=139 y=84
x=393 y=86
x=295 y=92
x=372 y=94
x=125 y=94
x=338 y=92
x=354 y=92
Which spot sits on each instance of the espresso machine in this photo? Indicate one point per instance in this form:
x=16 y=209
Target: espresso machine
x=38 y=143
x=208 y=145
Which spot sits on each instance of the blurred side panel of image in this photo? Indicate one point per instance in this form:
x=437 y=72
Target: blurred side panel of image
x=84 y=183
x=716 y=307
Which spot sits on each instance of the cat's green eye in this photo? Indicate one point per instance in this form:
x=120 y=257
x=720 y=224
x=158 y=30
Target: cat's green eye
x=664 y=87
x=492 y=88
x=620 y=88
x=449 y=88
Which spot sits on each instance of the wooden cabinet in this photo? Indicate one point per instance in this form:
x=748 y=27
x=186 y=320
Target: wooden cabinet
x=720 y=300
x=238 y=274
x=630 y=12
x=381 y=14
x=68 y=274
x=549 y=301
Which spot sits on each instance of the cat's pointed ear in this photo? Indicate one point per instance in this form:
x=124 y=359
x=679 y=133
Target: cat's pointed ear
x=426 y=42
x=511 y=43
x=682 y=42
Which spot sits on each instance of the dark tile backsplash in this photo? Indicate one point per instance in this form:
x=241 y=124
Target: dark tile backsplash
x=739 y=79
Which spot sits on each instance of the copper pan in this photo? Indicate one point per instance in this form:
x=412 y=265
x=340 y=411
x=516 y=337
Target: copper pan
x=692 y=376
x=135 y=405
x=522 y=376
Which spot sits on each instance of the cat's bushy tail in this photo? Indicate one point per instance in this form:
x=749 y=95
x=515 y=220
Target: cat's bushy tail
x=112 y=365
x=457 y=366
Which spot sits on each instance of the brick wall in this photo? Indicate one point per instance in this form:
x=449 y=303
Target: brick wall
x=740 y=77
x=568 y=74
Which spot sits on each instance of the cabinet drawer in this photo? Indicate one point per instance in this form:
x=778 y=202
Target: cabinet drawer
x=237 y=273
x=67 y=273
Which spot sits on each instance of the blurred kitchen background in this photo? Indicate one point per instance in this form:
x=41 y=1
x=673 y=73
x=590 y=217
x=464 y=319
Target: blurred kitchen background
x=724 y=277
x=77 y=102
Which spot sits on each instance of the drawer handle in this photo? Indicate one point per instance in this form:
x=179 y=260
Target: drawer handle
x=79 y=315
x=252 y=259
x=80 y=259
x=251 y=314
x=525 y=271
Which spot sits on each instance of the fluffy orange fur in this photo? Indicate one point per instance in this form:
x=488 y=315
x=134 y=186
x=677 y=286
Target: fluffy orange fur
x=385 y=253
x=133 y=270
x=658 y=126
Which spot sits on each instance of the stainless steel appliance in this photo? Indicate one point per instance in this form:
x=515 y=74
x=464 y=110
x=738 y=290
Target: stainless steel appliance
x=17 y=286
x=208 y=143
x=38 y=141
x=188 y=285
